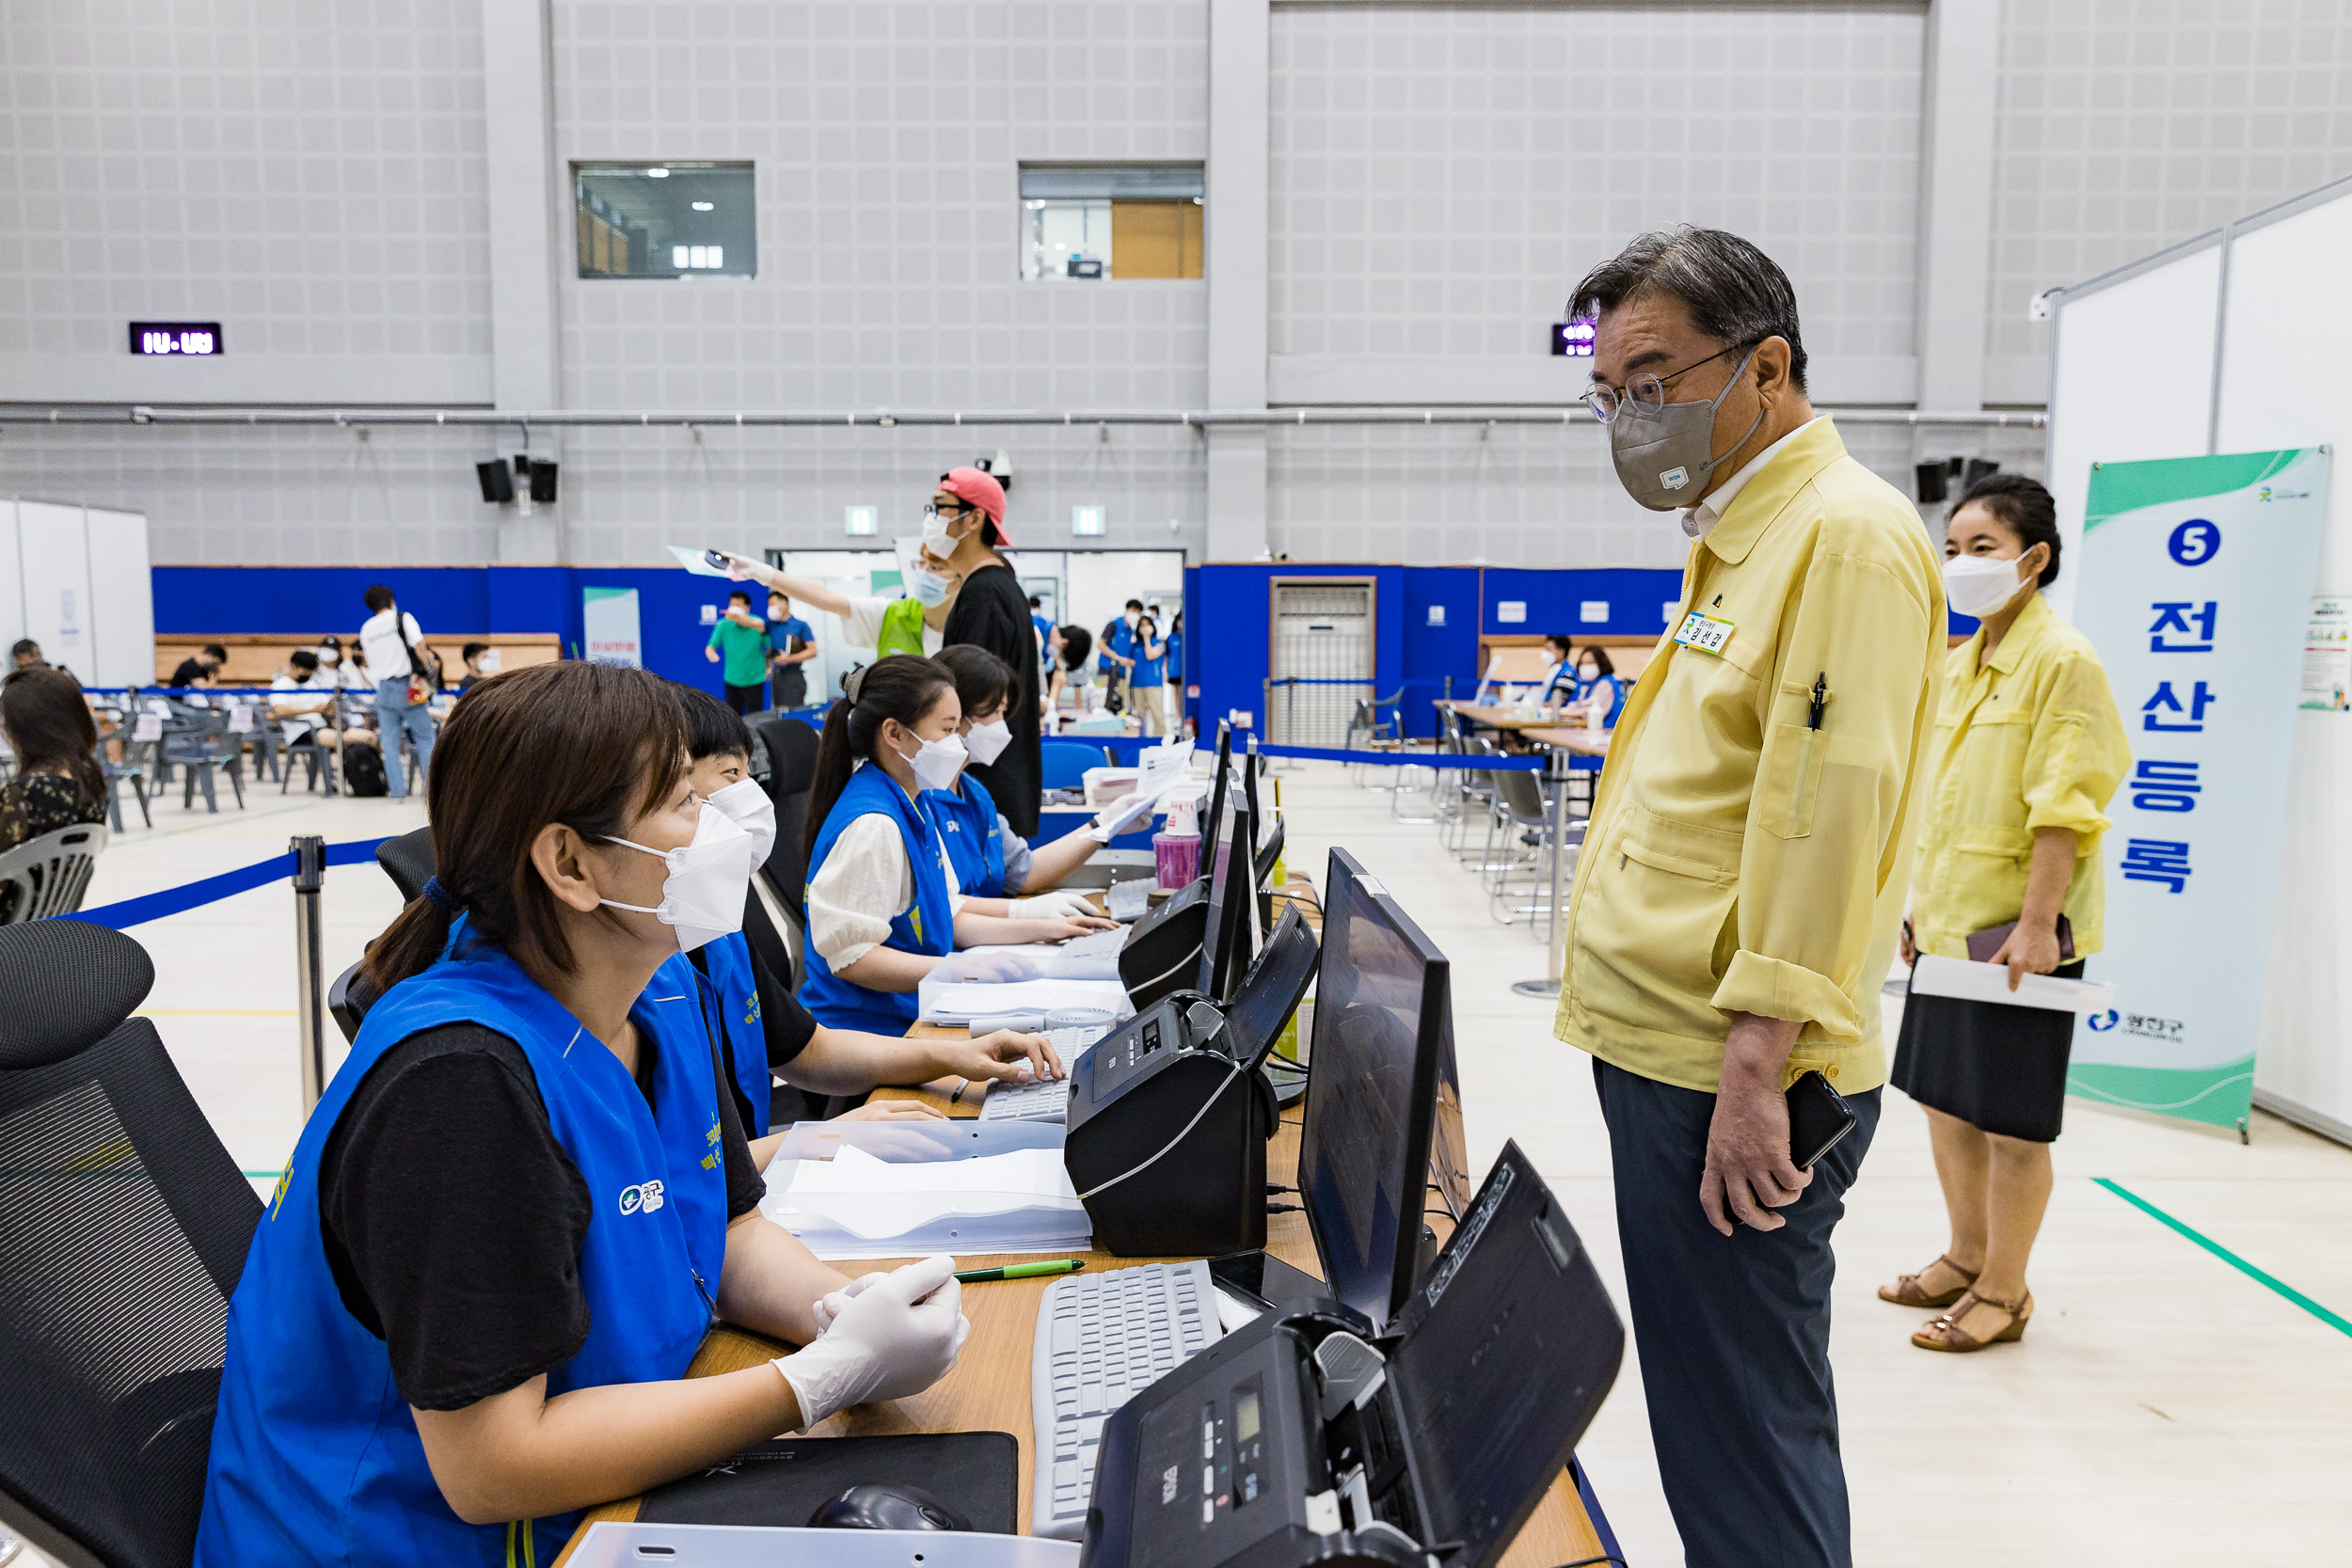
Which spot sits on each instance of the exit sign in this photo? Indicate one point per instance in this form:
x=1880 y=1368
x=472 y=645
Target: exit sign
x=178 y=340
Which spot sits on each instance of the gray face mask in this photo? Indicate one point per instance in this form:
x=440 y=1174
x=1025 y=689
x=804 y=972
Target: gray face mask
x=1664 y=459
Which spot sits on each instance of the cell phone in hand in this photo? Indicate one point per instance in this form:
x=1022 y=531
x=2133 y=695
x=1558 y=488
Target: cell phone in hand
x=714 y=560
x=1818 y=1119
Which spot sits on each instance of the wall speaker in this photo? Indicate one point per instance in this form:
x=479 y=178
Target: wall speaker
x=1931 y=481
x=1978 y=468
x=497 y=485
x=542 y=481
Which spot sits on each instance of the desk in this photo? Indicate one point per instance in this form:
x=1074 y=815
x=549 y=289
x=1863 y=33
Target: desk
x=1586 y=743
x=989 y=1390
x=1501 y=718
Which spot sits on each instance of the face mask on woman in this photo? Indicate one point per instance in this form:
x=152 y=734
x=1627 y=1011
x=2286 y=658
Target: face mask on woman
x=987 y=742
x=1588 y=673
x=747 y=806
x=938 y=763
x=1979 y=584
x=702 y=899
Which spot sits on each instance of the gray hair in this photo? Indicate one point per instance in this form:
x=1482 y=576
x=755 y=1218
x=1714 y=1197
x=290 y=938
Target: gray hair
x=1735 y=293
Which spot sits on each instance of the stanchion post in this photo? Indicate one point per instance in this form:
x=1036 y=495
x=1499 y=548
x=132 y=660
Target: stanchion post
x=310 y=852
x=1556 y=931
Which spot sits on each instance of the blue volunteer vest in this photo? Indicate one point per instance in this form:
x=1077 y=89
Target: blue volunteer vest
x=967 y=823
x=315 y=1456
x=927 y=927
x=1616 y=697
x=728 y=962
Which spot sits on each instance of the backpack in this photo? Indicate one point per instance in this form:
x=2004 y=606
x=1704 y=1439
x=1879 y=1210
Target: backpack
x=363 y=771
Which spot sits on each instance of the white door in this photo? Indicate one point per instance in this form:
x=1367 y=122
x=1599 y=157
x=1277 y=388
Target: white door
x=122 y=608
x=54 y=550
x=12 y=582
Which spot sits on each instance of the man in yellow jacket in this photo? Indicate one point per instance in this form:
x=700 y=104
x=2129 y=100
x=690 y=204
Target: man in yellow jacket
x=1744 y=875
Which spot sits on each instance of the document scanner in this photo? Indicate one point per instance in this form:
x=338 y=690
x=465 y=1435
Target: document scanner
x=1169 y=1113
x=1297 y=1440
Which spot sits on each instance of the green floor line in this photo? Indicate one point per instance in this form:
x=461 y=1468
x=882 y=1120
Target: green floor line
x=2306 y=1303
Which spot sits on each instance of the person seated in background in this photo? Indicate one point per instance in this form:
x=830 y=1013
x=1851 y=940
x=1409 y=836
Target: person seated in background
x=1594 y=690
x=910 y=625
x=524 y=1199
x=310 y=712
x=739 y=646
x=47 y=723
x=482 y=662
x=1003 y=873
x=884 y=906
x=201 y=667
x=23 y=654
x=1067 y=691
x=768 y=1033
x=1494 y=689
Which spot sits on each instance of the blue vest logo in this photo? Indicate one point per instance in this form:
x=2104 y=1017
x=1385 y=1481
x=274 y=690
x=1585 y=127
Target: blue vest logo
x=646 y=1197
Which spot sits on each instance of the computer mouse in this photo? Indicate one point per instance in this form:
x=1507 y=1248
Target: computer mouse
x=874 y=1506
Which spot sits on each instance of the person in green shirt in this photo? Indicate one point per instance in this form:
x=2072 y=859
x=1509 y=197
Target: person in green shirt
x=739 y=644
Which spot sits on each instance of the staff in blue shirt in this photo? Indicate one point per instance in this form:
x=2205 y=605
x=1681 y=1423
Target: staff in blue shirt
x=523 y=1200
x=791 y=643
x=1148 y=683
x=1598 y=690
x=1046 y=636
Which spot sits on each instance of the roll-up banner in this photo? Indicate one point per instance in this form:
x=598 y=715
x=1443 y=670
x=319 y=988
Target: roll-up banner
x=609 y=621
x=2196 y=588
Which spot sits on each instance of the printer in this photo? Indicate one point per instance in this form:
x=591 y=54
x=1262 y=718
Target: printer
x=1305 y=1437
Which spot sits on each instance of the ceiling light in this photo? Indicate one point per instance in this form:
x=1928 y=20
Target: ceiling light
x=702 y=206
x=657 y=174
x=1034 y=205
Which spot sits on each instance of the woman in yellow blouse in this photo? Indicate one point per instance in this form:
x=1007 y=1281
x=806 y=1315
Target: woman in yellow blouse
x=2028 y=751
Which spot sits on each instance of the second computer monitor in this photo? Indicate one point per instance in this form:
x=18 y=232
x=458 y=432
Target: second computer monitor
x=1382 y=1061
x=1227 y=945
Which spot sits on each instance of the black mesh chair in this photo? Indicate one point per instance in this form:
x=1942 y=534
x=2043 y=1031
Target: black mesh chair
x=791 y=746
x=123 y=1227
x=409 y=862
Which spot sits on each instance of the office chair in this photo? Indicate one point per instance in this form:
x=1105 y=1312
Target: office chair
x=52 y=873
x=123 y=1228
x=1064 y=763
x=792 y=748
x=409 y=862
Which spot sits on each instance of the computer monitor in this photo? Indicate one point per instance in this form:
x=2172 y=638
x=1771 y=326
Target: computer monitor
x=1270 y=992
x=1210 y=820
x=1226 y=944
x=1382 y=1048
x=1261 y=819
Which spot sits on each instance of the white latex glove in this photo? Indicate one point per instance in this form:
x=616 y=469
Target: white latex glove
x=895 y=1337
x=1053 y=906
x=830 y=1306
x=1120 y=816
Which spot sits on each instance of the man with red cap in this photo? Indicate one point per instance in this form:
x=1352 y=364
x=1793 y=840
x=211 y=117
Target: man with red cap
x=965 y=526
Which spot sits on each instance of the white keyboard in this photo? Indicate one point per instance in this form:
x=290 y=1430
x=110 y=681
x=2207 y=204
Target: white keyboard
x=1043 y=1100
x=1096 y=944
x=1101 y=1339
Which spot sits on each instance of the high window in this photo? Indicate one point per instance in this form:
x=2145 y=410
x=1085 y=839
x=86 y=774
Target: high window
x=1097 y=222
x=665 y=220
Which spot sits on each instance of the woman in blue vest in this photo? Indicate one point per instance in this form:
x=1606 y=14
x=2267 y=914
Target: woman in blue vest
x=467 y=1311
x=993 y=864
x=1176 y=673
x=1149 y=682
x=883 y=905
x=1598 y=691
x=766 y=1033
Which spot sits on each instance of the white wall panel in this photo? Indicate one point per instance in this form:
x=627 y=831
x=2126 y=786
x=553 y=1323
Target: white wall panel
x=122 y=599
x=2282 y=385
x=11 y=578
x=2133 y=379
x=52 y=550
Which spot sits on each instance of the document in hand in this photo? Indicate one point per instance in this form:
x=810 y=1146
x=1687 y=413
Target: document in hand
x=696 y=562
x=1967 y=981
x=897 y=1190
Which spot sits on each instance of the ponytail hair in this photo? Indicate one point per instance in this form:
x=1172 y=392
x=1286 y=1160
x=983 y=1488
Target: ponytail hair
x=901 y=687
x=591 y=746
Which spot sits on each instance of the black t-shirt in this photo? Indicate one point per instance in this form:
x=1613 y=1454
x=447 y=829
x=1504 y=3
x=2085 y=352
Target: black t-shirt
x=189 y=673
x=991 y=611
x=453 y=1220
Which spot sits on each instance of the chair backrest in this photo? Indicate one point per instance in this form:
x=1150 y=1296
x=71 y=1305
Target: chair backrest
x=409 y=862
x=1066 y=761
x=1520 y=795
x=791 y=745
x=51 y=873
x=123 y=1228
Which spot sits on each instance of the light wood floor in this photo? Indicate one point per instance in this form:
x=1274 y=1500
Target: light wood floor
x=2164 y=1409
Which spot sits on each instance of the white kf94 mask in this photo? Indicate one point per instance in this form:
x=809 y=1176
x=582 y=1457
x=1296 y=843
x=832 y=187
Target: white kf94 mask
x=747 y=806
x=702 y=899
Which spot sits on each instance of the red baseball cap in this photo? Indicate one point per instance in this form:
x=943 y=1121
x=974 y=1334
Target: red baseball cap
x=982 y=491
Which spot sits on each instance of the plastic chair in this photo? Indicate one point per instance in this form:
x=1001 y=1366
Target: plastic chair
x=120 y=1244
x=1368 y=727
x=1523 y=809
x=1065 y=762
x=203 y=747
x=116 y=773
x=51 y=873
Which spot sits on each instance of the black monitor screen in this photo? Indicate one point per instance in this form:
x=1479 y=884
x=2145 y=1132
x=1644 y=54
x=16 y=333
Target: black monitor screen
x=1210 y=821
x=1379 y=1034
x=1226 y=944
x=1270 y=992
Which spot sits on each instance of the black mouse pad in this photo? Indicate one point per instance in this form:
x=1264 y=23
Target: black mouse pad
x=976 y=1473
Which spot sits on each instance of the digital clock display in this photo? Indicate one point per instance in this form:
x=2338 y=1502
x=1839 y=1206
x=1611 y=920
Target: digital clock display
x=186 y=339
x=1572 y=339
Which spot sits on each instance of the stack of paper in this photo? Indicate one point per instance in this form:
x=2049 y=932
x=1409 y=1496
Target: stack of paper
x=893 y=1189
x=959 y=1002
x=1934 y=976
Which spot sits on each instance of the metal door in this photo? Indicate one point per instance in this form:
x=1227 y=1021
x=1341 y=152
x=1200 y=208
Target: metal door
x=1322 y=631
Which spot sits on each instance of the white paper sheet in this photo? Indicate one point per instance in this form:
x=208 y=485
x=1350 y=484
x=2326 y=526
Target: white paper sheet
x=855 y=1205
x=960 y=1002
x=692 y=560
x=1968 y=981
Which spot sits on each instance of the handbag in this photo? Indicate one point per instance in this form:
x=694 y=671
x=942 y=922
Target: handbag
x=425 y=668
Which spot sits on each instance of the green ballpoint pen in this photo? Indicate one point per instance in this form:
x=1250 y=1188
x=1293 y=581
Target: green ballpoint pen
x=1022 y=1271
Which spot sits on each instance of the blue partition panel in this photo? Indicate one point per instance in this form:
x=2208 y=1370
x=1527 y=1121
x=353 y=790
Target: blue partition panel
x=1635 y=597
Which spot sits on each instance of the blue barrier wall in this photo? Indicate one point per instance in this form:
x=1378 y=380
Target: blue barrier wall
x=446 y=601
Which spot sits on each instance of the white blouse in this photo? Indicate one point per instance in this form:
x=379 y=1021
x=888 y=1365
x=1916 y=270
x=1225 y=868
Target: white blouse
x=864 y=883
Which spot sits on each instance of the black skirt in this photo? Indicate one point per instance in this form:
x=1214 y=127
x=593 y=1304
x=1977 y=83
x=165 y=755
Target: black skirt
x=1998 y=1067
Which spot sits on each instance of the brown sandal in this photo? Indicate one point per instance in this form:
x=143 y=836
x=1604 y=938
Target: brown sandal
x=1945 y=1332
x=1908 y=1292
